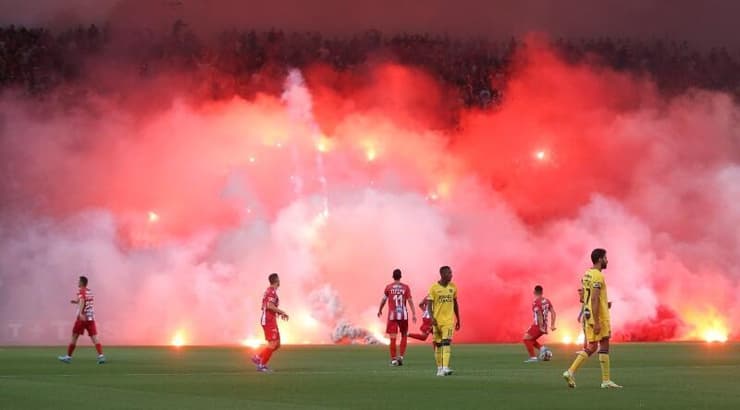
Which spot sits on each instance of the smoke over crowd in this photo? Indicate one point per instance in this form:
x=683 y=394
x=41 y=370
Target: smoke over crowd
x=177 y=208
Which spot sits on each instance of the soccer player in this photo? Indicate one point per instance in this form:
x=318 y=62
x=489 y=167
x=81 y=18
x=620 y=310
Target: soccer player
x=85 y=321
x=444 y=310
x=397 y=294
x=540 y=307
x=596 y=315
x=426 y=323
x=270 y=314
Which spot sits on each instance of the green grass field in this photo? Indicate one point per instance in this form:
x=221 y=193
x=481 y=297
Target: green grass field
x=655 y=376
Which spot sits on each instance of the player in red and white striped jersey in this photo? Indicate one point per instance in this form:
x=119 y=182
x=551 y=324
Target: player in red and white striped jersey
x=426 y=328
x=270 y=314
x=541 y=308
x=397 y=295
x=85 y=321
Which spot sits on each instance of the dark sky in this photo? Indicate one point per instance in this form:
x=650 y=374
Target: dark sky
x=703 y=23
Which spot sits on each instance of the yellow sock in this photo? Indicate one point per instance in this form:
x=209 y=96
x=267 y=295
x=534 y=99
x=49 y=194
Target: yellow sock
x=446 y=356
x=580 y=358
x=604 y=361
x=438 y=355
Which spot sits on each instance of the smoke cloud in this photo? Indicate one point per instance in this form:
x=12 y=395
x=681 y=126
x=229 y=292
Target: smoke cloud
x=178 y=212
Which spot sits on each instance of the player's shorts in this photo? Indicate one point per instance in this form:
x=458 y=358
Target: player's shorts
x=85 y=325
x=272 y=333
x=395 y=326
x=426 y=326
x=535 y=332
x=443 y=332
x=606 y=331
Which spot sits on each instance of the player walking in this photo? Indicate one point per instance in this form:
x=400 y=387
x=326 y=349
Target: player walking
x=426 y=323
x=85 y=321
x=445 y=313
x=540 y=307
x=397 y=295
x=270 y=314
x=596 y=316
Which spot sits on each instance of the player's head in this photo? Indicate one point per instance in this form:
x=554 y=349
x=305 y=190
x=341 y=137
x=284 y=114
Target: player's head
x=445 y=274
x=598 y=258
x=397 y=274
x=274 y=280
x=423 y=304
x=538 y=290
x=83 y=281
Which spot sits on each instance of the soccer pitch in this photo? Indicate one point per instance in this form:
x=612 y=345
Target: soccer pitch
x=655 y=376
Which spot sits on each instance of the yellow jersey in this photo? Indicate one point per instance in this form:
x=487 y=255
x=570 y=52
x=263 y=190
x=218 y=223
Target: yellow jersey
x=443 y=303
x=594 y=279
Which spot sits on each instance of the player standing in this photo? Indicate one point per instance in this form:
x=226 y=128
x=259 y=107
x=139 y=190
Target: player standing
x=85 y=321
x=596 y=316
x=540 y=307
x=397 y=294
x=270 y=313
x=426 y=328
x=445 y=313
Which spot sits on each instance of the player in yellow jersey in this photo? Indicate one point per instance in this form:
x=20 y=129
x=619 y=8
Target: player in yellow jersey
x=595 y=310
x=445 y=314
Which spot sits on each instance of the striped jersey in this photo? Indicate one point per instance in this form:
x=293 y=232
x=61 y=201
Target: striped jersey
x=86 y=306
x=397 y=294
x=541 y=305
x=269 y=316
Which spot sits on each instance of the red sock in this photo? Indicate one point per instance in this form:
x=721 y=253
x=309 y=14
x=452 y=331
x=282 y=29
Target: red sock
x=266 y=355
x=404 y=341
x=419 y=336
x=70 y=349
x=393 y=348
x=99 y=348
x=530 y=347
x=536 y=344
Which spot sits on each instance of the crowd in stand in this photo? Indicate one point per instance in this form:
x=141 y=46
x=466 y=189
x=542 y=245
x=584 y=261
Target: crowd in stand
x=35 y=60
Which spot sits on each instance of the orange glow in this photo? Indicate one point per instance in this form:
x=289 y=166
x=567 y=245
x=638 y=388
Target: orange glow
x=540 y=155
x=252 y=342
x=371 y=154
x=308 y=321
x=715 y=335
x=178 y=340
x=567 y=337
x=323 y=145
x=374 y=329
x=153 y=217
x=709 y=326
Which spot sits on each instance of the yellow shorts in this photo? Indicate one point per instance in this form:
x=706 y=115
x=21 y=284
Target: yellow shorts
x=442 y=332
x=606 y=331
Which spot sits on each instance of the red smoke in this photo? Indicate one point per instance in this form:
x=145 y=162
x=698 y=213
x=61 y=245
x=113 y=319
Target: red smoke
x=346 y=176
x=664 y=325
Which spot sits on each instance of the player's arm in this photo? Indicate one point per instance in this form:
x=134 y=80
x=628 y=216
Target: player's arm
x=430 y=311
x=552 y=316
x=580 y=299
x=271 y=306
x=596 y=307
x=82 y=303
x=410 y=301
x=457 y=314
x=382 y=304
x=540 y=321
